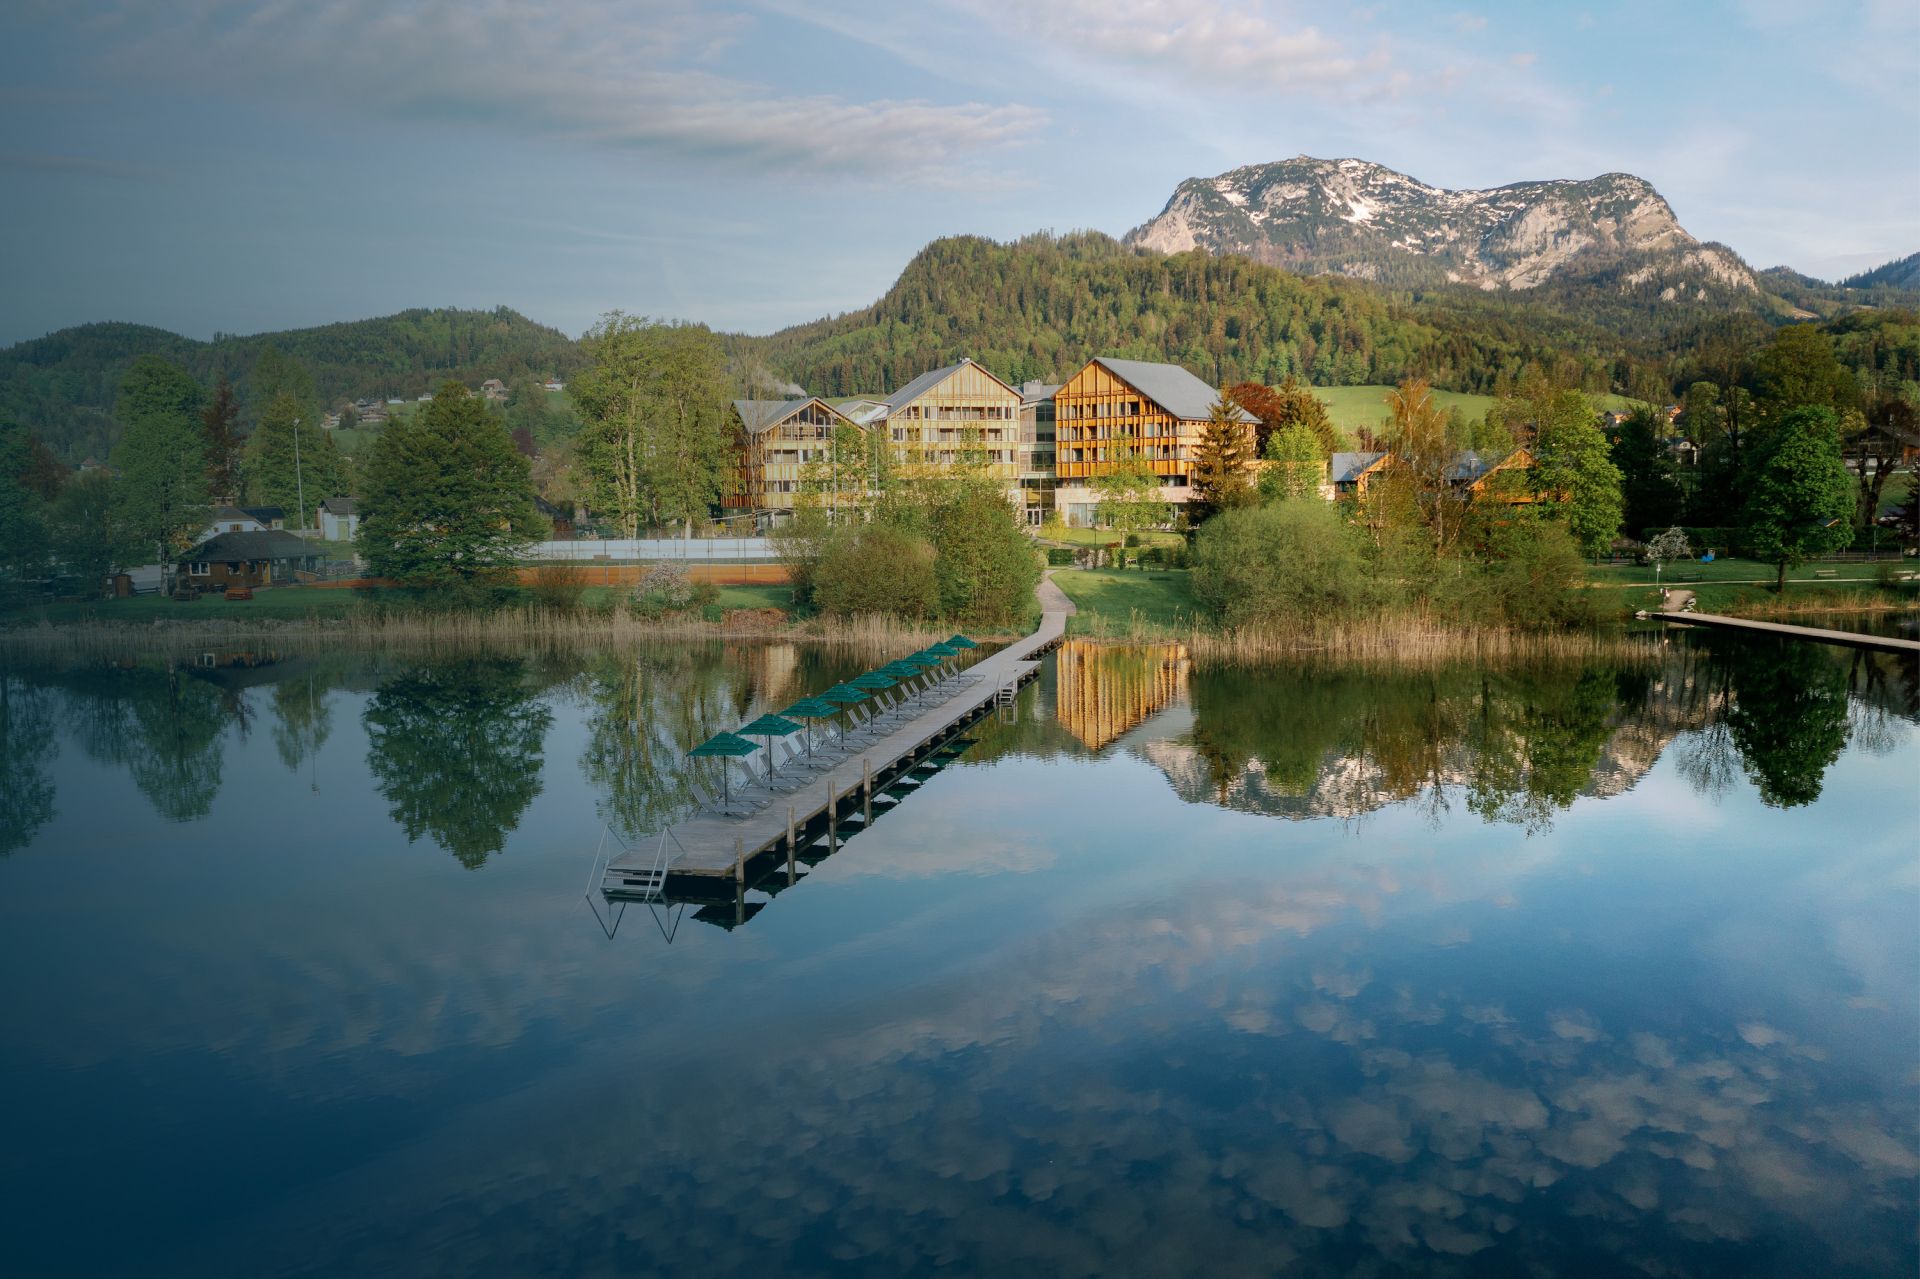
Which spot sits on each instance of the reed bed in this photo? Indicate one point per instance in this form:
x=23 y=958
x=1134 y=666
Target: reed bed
x=525 y=629
x=1401 y=640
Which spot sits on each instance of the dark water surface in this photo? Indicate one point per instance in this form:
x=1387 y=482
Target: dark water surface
x=1589 y=970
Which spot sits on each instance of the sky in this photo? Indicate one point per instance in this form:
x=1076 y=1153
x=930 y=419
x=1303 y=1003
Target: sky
x=247 y=165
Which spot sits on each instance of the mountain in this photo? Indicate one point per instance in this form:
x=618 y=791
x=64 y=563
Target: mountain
x=63 y=385
x=1902 y=273
x=1353 y=217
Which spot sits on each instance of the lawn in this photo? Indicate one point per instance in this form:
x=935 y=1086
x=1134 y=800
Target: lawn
x=1730 y=584
x=1162 y=597
x=1352 y=407
x=1065 y=536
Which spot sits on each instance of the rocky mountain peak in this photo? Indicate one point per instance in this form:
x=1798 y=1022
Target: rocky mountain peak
x=1355 y=217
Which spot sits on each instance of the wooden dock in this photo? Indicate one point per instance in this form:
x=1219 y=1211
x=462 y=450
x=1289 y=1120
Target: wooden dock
x=710 y=846
x=1815 y=634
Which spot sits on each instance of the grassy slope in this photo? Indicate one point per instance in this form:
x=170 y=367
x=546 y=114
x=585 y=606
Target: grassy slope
x=1352 y=407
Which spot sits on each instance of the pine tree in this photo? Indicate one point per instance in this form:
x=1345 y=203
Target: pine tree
x=1220 y=478
x=162 y=494
x=220 y=421
x=292 y=464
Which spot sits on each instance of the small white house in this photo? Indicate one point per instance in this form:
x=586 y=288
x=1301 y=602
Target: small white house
x=339 y=521
x=231 y=519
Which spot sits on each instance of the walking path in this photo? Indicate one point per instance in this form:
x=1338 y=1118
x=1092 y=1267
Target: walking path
x=1848 y=639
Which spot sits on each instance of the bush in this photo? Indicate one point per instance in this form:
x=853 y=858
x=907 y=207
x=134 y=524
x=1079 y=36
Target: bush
x=1286 y=563
x=986 y=568
x=1133 y=539
x=663 y=589
x=876 y=569
x=1059 y=556
x=559 y=589
x=1535 y=576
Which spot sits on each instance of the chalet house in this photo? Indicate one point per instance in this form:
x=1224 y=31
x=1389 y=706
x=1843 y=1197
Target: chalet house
x=775 y=441
x=960 y=413
x=554 y=384
x=1350 y=473
x=262 y=558
x=494 y=389
x=268 y=516
x=339 y=519
x=1486 y=479
x=1112 y=411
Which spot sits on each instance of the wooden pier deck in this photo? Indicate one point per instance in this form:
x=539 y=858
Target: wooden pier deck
x=710 y=845
x=1848 y=639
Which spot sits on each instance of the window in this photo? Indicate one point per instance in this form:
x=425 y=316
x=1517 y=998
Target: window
x=200 y=569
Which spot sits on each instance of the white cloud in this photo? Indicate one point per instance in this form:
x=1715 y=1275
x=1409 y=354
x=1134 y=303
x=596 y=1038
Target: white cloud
x=1196 y=43
x=591 y=73
x=1469 y=22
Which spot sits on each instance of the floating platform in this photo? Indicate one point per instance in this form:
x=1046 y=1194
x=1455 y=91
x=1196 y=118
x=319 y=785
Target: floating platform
x=712 y=847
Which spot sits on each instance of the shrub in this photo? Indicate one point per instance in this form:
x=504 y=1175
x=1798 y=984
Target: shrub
x=664 y=588
x=986 y=568
x=1535 y=576
x=559 y=589
x=876 y=569
x=1058 y=556
x=1286 y=563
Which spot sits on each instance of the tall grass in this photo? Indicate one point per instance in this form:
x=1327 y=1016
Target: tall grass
x=1813 y=604
x=522 y=628
x=1399 y=639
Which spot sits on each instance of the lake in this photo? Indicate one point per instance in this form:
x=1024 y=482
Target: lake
x=1569 y=970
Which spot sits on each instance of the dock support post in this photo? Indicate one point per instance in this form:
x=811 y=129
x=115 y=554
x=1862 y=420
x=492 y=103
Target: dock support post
x=833 y=819
x=739 y=861
x=789 y=845
x=866 y=792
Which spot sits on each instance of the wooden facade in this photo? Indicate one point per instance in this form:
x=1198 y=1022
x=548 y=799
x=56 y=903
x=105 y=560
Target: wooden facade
x=959 y=414
x=1117 y=412
x=776 y=442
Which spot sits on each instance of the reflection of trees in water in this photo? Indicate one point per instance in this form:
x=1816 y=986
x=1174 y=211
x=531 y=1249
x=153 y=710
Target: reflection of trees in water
x=645 y=710
x=1788 y=719
x=1522 y=742
x=455 y=749
x=1343 y=741
x=302 y=720
x=163 y=726
x=26 y=748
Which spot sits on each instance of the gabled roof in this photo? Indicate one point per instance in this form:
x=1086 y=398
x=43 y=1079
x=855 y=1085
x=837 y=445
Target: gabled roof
x=338 y=506
x=1035 y=391
x=761 y=415
x=927 y=381
x=1471 y=466
x=1348 y=467
x=266 y=514
x=233 y=513
x=1170 y=386
x=272 y=544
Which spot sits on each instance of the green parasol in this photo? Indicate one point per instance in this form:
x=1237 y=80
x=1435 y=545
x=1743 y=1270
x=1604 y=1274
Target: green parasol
x=959 y=641
x=844 y=695
x=723 y=746
x=768 y=727
x=811 y=708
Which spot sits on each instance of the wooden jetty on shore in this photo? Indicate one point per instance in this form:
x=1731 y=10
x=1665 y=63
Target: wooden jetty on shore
x=1847 y=639
x=714 y=848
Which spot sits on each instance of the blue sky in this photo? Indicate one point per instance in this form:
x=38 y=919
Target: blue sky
x=239 y=165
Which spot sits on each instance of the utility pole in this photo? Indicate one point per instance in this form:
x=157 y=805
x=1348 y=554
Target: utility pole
x=299 y=481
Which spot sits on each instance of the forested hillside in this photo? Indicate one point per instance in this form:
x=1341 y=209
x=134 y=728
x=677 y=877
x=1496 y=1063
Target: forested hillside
x=1038 y=307
x=62 y=385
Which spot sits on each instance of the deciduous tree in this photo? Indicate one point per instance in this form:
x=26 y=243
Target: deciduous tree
x=1296 y=464
x=1799 y=496
x=447 y=497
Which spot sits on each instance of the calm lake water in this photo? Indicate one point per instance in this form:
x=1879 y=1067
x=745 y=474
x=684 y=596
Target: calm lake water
x=1590 y=970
